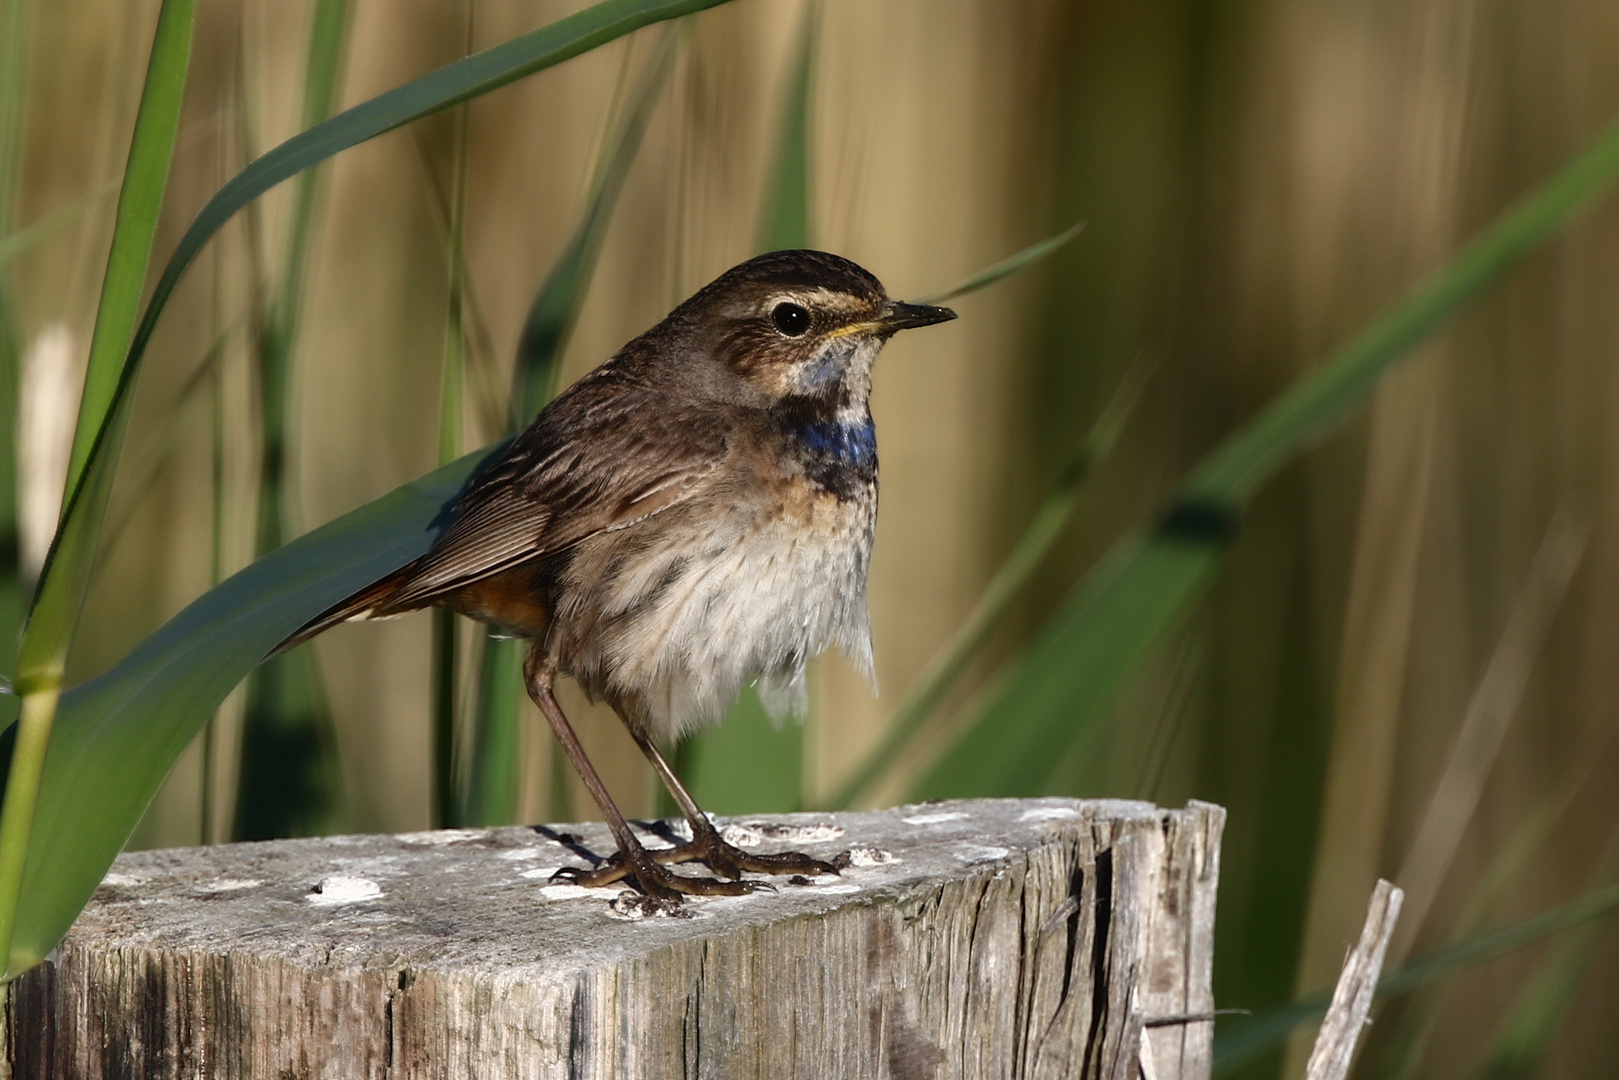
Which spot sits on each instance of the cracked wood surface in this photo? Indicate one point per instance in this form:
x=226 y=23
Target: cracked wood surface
x=1035 y=938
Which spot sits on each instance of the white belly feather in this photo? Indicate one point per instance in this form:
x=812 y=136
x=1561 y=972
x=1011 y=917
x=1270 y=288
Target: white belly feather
x=690 y=615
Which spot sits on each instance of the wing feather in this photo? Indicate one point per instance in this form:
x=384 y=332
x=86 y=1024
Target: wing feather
x=609 y=453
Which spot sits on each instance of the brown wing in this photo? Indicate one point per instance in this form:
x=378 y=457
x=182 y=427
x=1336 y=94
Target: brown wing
x=612 y=451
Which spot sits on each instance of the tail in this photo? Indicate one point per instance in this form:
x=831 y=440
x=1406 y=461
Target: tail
x=359 y=606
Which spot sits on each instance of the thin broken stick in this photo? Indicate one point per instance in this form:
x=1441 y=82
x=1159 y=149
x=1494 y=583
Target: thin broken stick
x=1352 y=999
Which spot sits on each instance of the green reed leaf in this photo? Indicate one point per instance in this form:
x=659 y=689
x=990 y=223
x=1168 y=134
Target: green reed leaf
x=1008 y=266
x=66 y=575
x=1525 y=1031
x=139 y=203
x=1040 y=722
x=16 y=18
x=786 y=224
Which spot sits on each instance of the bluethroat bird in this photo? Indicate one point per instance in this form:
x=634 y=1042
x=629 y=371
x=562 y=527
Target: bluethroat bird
x=694 y=515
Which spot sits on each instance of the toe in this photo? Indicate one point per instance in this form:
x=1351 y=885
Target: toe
x=786 y=862
x=707 y=886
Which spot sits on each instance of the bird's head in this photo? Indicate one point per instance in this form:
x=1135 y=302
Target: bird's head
x=801 y=325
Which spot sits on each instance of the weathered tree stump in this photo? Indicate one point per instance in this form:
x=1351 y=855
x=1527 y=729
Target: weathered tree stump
x=1007 y=938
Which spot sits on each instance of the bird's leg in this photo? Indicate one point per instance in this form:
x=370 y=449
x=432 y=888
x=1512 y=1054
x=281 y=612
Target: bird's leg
x=665 y=885
x=706 y=844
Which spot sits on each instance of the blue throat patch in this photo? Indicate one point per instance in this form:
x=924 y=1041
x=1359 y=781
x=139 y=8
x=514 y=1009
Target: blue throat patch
x=848 y=444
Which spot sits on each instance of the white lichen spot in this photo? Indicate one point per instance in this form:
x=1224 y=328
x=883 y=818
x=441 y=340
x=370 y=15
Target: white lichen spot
x=653 y=842
x=871 y=856
x=840 y=887
x=820 y=832
x=934 y=819
x=517 y=853
x=565 y=892
x=539 y=872
x=1048 y=813
x=438 y=837
x=743 y=836
x=123 y=881
x=977 y=853
x=343 y=889
x=221 y=885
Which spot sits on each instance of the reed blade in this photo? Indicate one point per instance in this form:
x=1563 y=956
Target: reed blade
x=289 y=778
x=65 y=577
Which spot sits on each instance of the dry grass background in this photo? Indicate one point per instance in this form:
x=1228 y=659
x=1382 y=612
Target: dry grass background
x=1258 y=179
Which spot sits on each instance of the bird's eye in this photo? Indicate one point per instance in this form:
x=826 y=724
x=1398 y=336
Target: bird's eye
x=790 y=319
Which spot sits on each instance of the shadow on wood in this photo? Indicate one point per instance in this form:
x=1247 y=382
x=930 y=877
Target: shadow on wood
x=1042 y=938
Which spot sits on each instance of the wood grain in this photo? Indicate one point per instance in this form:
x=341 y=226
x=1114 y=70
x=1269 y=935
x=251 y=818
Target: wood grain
x=995 y=938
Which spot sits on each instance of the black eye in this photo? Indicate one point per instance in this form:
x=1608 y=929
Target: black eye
x=790 y=319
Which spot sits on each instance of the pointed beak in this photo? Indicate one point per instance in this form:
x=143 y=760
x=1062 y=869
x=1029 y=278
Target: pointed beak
x=901 y=316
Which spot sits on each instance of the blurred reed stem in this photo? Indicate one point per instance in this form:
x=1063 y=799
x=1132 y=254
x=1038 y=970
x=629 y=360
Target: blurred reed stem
x=785 y=225
x=14 y=242
x=207 y=795
x=551 y=316
x=449 y=797
x=1525 y=1032
x=1508 y=867
x=1483 y=728
x=288 y=776
x=1313 y=406
x=16 y=20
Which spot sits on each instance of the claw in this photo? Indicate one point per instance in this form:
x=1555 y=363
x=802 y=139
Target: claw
x=614 y=869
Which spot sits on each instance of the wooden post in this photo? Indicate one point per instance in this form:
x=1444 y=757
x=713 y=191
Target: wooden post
x=1040 y=938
